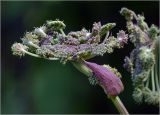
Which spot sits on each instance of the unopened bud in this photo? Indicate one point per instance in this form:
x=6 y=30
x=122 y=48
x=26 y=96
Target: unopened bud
x=19 y=49
x=111 y=83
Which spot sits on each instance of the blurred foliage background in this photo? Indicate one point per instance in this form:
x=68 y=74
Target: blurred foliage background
x=31 y=85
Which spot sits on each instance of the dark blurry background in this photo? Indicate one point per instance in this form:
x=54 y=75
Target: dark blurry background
x=31 y=85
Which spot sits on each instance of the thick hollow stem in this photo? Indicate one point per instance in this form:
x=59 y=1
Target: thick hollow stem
x=119 y=105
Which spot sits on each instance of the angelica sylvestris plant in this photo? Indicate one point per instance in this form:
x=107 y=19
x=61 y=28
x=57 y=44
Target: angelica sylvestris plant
x=50 y=42
x=143 y=62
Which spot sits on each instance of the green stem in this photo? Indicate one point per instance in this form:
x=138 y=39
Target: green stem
x=157 y=67
x=34 y=45
x=156 y=78
x=35 y=55
x=62 y=32
x=51 y=58
x=152 y=77
x=31 y=54
x=148 y=80
x=88 y=72
x=158 y=63
x=158 y=55
x=82 y=68
x=119 y=105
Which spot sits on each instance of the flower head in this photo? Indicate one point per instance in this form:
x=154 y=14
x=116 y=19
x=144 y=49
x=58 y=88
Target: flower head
x=49 y=41
x=143 y=60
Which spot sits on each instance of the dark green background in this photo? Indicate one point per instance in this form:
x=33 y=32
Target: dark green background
x=31 y=85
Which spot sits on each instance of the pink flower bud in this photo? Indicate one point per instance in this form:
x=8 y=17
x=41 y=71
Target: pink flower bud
x=122 y=37
x=111 y=83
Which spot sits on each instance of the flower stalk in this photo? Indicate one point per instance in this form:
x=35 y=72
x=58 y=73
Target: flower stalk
x=119 y=105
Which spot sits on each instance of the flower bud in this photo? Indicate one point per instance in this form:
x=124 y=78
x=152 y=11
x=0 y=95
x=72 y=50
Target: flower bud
x=55 y=25
x=153 y=32
x=106 y=28
x=111 y=83
x=40 y=32
x=122 y=37
x=137 y=95
x=142 y=24
x=18 y=49
x=146 y=57
x=127 y=13
x=96 y=28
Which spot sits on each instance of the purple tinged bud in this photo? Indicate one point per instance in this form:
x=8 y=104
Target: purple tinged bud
x=96 y=28
x=46 y=41
x=128 y=64
x=111 y=83
x=122 y=37
x=72 y=41
x=40 y=32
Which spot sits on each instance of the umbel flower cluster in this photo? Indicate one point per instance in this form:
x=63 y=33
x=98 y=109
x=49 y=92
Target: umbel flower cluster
x=143 y=62
x=50 y=42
